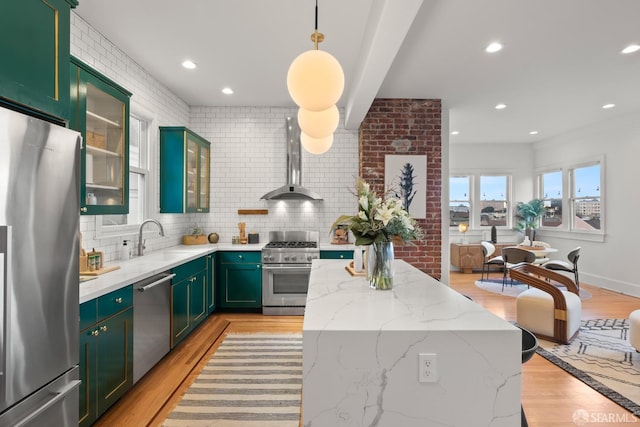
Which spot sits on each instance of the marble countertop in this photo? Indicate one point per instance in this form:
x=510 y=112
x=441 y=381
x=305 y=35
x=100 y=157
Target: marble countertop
x=338 y=301
x=364 y=351
x=151 y=263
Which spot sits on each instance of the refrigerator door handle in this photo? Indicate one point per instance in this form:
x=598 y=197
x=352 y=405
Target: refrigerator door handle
x=56 y=397
x=5 y=238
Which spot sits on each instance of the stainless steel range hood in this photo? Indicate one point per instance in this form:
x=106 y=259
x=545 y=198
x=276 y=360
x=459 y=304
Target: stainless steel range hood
x=292 y=190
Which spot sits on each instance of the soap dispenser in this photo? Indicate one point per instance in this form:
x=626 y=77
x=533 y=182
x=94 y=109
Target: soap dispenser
x=125 y=253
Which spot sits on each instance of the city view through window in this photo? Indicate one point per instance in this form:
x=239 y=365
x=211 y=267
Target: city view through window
x=494 y=206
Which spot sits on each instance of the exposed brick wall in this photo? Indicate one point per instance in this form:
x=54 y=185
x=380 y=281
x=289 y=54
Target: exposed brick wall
x=408 y=126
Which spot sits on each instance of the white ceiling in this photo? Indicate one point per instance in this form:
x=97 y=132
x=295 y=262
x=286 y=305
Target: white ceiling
x=560 y=63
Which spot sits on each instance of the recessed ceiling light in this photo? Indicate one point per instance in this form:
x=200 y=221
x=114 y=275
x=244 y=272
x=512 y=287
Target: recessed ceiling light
x=607 y=106
x=189 y=64
x=501 y=106
x=227 y=91
x=533 y=132
x=630 y=49
x=493 y=47
x=455 y=132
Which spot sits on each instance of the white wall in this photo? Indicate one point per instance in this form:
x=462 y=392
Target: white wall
x=610 y=263
x=247 y=158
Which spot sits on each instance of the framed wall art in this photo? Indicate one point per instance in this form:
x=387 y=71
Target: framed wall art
x=405 y=177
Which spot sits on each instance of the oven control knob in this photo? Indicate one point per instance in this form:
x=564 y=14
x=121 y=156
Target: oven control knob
x=286 y=258
x=293 y=258
x=309 y=257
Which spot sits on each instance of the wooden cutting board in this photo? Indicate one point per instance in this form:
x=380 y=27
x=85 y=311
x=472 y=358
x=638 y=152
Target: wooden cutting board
x=100 y=271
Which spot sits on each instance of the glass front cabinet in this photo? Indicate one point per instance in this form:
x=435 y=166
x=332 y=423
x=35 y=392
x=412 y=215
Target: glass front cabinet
x=184 y=171
x=100 y=111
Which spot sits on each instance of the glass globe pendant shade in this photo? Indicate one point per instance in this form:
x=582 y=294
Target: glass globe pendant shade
x=316 y=145
x=315 y=80
x=319 y=124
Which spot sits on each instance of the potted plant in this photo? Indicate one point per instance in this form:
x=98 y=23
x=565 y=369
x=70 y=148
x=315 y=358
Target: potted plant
x=196 y=236
x=528 y=216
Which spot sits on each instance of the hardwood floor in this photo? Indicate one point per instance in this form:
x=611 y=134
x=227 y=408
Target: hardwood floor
x=549 y=395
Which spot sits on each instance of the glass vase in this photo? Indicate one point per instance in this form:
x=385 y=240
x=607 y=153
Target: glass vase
x=380 y=265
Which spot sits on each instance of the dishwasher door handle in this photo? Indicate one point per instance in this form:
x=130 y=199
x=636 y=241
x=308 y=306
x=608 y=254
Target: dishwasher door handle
x=156 y=283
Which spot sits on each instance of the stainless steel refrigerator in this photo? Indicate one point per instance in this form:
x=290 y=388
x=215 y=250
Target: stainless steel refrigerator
x=39 y=216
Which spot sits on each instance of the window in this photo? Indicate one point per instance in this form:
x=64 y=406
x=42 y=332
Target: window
x=479 y=200
x=459 y=200
x=573 y=200
x=493 y=201
x=141 y=124
x=585 y=198
x=551 y=190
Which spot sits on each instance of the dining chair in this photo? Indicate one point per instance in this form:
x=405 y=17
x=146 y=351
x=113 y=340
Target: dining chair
x=488 y=250
x=571 y=266
x=512 y=256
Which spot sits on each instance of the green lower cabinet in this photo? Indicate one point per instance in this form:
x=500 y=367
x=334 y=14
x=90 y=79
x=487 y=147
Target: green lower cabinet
x=106 y=353
x=198 y=309
x=240 y=280
x=180 y=325
x=115 y=359
x=336 y=254
x=188 y=298
x=211 y=283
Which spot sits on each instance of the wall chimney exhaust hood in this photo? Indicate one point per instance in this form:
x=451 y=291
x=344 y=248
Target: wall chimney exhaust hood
x=292 y=190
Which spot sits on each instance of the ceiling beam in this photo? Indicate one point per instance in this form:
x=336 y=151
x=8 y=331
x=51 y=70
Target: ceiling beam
x=388 y=24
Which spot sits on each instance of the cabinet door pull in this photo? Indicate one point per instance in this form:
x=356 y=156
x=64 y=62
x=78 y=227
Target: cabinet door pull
x=95 y=333
x=119 y=300
x=103 y=328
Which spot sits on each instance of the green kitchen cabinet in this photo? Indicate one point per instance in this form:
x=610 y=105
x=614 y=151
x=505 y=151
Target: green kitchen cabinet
x=211 y=282
x=188 y=298
x=35 y=54
x=106 y=352
x=100 y=111
x=330 y=254
x=240 y=279
x=184 y=171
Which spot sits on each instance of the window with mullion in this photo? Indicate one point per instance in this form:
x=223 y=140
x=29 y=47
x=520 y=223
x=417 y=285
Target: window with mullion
x=494 y=202
x=551 y=195
x=586 y=198
x=459 y=200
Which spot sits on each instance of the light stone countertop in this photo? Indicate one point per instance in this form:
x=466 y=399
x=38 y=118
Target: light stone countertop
x=362 y=347
x=151 y=263
x=138 y=268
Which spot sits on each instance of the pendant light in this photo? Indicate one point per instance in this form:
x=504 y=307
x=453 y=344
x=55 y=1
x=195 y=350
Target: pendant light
x=316 y=145
x=315 y=79
x=319 y=124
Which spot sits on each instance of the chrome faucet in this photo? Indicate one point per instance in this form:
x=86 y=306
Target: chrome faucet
x=140 y=241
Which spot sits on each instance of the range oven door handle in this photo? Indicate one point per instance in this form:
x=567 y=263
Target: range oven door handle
x=287 y=268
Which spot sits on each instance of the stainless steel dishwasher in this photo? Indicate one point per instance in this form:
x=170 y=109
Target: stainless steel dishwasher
x=151 y=322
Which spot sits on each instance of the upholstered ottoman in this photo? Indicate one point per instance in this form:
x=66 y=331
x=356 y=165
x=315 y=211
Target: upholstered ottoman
x=634 y=329
x=535 y=311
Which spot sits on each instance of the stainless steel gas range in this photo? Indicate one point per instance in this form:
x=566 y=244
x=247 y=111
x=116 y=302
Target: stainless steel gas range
x=286 y=265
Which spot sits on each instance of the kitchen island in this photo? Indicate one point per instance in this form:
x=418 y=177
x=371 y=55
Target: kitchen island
x=361 y=352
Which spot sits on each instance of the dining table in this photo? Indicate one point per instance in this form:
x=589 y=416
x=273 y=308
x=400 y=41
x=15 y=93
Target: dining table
x=539 y=251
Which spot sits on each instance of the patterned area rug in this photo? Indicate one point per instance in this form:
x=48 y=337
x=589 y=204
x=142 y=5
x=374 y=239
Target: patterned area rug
x=252 y=380
x=601 y=357
x=495 y=286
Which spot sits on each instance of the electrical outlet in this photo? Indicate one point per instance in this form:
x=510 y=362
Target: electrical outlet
x=427 y=368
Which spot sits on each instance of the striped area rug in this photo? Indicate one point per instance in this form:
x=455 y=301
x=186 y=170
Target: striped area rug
x=252 y=380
